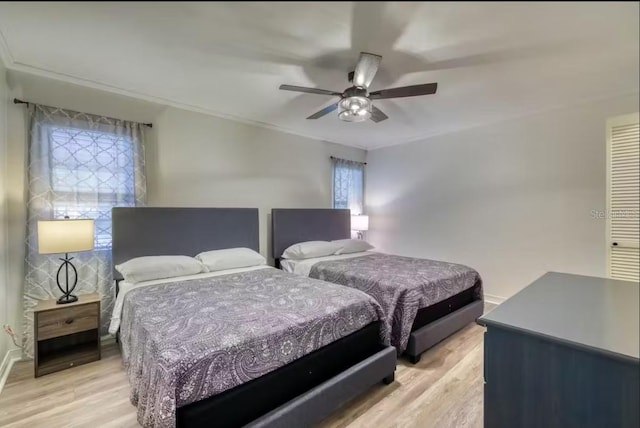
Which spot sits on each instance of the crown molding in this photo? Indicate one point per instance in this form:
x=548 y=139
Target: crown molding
x=10 y=63
x=519 y=116
x=93 y=84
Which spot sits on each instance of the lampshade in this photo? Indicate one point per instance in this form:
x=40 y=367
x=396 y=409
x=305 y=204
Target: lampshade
x=65 y=236
x=360 y=222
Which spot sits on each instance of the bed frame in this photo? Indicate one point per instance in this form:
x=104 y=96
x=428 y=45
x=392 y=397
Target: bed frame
x=432 y=324
x=301 y=393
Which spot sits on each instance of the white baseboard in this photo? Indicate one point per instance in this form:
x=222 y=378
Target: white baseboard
x=107 y=339
x=495 y=300
x=9 y=359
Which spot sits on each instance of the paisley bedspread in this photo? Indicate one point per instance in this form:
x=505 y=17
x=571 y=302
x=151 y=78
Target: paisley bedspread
x=401 y=285
x=186 y=341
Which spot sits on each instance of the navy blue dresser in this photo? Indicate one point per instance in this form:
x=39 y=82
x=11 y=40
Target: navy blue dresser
x=563 y=352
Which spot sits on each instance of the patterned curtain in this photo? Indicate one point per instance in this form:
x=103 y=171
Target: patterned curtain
x=80 y=165
x=348 y=185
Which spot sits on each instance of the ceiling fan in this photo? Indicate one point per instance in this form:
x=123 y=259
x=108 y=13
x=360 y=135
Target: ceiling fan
x=355 y=102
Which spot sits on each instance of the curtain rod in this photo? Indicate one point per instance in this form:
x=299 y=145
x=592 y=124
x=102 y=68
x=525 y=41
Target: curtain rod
x=17 y=101
x=333 y=157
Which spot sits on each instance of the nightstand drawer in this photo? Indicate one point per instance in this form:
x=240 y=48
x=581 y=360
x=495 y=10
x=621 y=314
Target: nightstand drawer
x=63 y=321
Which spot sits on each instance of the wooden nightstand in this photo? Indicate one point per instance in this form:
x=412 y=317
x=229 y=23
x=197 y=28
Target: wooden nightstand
x=66 y=335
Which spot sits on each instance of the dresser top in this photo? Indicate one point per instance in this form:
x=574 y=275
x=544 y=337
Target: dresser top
x=83 y=299
x=582 y=311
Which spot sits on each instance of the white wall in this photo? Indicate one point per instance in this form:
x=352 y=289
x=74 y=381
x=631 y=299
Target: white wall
x=16 y=209
x=4 y=284
x=512 y=199
x=200 y=160
x=192 y=160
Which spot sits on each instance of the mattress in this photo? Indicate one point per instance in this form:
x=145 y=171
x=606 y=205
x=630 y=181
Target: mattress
x=185 y=341
x=245 y=403
x=402 y=285
x=125 y=287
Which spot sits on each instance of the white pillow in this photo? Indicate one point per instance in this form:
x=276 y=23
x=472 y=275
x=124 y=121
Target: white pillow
x=158 y=267
x=348 y=246
x=309 y=249
x=230 y=258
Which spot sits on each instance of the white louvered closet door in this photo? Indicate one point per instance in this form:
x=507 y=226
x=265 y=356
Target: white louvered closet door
x=623 y=182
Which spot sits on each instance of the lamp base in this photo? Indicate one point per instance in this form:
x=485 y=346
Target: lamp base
x=67 y=298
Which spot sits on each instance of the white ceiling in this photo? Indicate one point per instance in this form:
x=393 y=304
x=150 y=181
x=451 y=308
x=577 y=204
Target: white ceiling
x=492 y=61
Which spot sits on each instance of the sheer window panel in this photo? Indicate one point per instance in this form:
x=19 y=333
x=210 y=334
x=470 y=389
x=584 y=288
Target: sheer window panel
x=80 y=166
x=348 y=185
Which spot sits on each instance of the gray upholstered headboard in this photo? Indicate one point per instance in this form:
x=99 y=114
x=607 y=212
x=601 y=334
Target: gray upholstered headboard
x=148 y=231
x=289 y=226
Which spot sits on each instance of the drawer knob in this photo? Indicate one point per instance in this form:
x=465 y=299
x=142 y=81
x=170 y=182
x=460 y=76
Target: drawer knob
x=68 y=321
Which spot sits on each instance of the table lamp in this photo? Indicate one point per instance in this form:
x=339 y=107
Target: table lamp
x=64 y=237
x=360 y=223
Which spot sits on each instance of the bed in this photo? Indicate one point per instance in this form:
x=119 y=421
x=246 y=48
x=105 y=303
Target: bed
x=243 y=348
x=430 y=300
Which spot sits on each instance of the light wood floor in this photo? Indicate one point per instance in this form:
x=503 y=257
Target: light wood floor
x=443 y=390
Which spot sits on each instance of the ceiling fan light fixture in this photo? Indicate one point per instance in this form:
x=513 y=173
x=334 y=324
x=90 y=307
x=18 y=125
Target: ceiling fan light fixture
x=355 y=102
x=355 y=109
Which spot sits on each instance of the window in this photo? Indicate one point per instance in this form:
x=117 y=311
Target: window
x=348 y=185
x=91 y=172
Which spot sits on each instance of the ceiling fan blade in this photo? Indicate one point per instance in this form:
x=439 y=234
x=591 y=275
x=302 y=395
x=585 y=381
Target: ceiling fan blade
x=309 y=90
x=377 y=115
x=405 y=91
x=366 y=69
x=324 y=111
